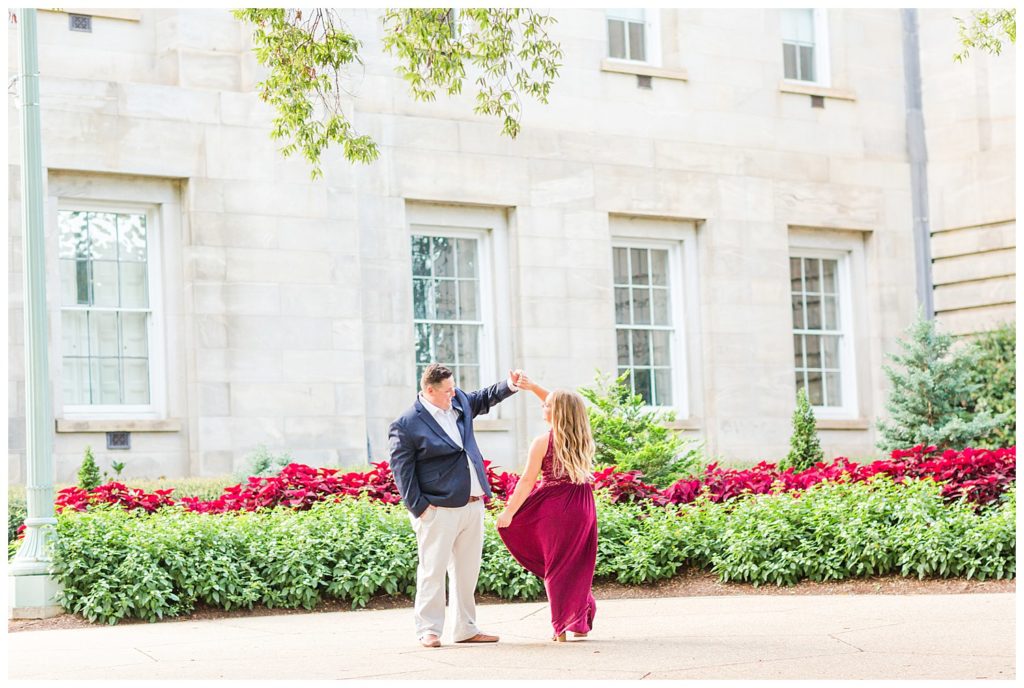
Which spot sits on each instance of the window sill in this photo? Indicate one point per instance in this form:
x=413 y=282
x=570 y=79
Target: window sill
x=842 y=424
x=115 y=425
x=642 y=69
x=498 y=425
x=685 y=424
x=809 y=89
x=123 y=15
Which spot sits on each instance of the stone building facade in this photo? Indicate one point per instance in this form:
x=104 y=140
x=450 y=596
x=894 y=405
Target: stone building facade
x=717 y=200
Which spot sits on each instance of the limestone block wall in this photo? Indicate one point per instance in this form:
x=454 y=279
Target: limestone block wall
x=970 y=121
x=288 y=302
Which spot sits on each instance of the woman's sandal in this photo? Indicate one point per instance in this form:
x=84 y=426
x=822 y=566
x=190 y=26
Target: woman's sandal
x=560 y=638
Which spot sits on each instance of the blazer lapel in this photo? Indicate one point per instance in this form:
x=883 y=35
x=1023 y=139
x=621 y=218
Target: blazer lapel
x=429 y=420
x=461 y=422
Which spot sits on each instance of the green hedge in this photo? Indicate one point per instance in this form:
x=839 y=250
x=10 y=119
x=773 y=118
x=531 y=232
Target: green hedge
x=115 y=564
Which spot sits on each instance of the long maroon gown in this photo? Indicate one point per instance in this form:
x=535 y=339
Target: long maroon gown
x=554 y=536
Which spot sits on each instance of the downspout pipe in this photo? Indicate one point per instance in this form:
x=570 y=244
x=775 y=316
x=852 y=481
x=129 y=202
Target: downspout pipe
x=917 y=153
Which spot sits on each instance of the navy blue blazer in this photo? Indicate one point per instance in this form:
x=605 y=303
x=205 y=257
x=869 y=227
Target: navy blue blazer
x=429 y=467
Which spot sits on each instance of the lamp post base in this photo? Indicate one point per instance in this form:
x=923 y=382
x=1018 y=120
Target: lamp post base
x=33 y=596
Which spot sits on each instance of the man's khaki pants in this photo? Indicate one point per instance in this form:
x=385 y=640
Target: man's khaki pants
x=452 y=540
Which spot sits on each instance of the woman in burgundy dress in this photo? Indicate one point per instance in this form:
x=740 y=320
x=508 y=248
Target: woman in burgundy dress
x=552 y=531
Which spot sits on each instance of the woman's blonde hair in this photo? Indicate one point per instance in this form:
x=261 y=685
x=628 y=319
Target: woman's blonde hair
x=573 y=441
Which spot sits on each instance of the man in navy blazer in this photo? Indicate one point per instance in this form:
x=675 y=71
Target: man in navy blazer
x=440 y=474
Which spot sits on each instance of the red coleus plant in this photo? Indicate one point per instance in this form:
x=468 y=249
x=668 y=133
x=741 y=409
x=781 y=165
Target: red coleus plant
x=979 y=475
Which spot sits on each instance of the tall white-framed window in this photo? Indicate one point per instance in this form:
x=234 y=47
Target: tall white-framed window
x=452 y=319
x=805 y=45
x=634 y=35
x=823 y=337
x=110 y=331
x=650 y=343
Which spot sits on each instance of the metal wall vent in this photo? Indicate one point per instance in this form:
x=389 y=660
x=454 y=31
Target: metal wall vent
x=80 y=22
x=119 y=440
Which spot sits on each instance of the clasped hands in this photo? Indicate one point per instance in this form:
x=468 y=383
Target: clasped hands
x=520 y=380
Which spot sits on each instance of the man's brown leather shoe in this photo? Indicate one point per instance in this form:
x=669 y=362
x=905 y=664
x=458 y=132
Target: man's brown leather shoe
x=430 y=640
x=480 y=638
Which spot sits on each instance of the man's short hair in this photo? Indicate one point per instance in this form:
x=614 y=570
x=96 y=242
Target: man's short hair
x=433 y=375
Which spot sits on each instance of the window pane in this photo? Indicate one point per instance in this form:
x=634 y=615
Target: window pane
x=103 y=334
x=104 y=283
x=641 y=306
x=421 y=256
x=795 y=275
x=663 y=387
x=662 y=342
x=812 y=275
x=106 y=381
x=798 y=25
x=444 y=344
x=814 y=388
x=831 y=312
x=422 y=299
x=642 y=384
x=616 y=38
x=659 y=268
x=131 y=230
x=798 y=351
x=468 y=378
x=134 y=339
x=831 y=346
x=638 y=263
x=76 y=380
x=74 y=331
x=801 y=382
x=622 y=345
x=466 y=249
x=69 y=283
x=444 y=292
x=467 y=300
x=789 y=61
x=830 y=276
x=136 y=381
x=133 y=285
x=637 y=49
x=660 y=306
x=636 y=13
x=443 y=257
x=807 y=63
x=834 y=389
x=74 y=233
x=813 y=312
x=813 y=344
x=622 y=307
x=103 y=236
x=798 y=312
x=423 y=344
x=641 y=347
x=469 y=344
x=620 y=259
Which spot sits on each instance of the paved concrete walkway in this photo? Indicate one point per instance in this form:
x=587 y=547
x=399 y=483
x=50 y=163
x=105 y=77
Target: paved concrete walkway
x=741 y=637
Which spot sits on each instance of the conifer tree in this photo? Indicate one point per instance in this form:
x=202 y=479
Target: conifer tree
x=89 y=473
x=804 y=446
x=931 y=389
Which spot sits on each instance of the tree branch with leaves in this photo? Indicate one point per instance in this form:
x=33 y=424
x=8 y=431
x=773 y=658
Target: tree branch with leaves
x=986 y=31
x=308 y=52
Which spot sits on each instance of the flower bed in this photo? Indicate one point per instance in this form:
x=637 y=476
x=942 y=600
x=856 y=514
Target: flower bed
x=115 y=564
